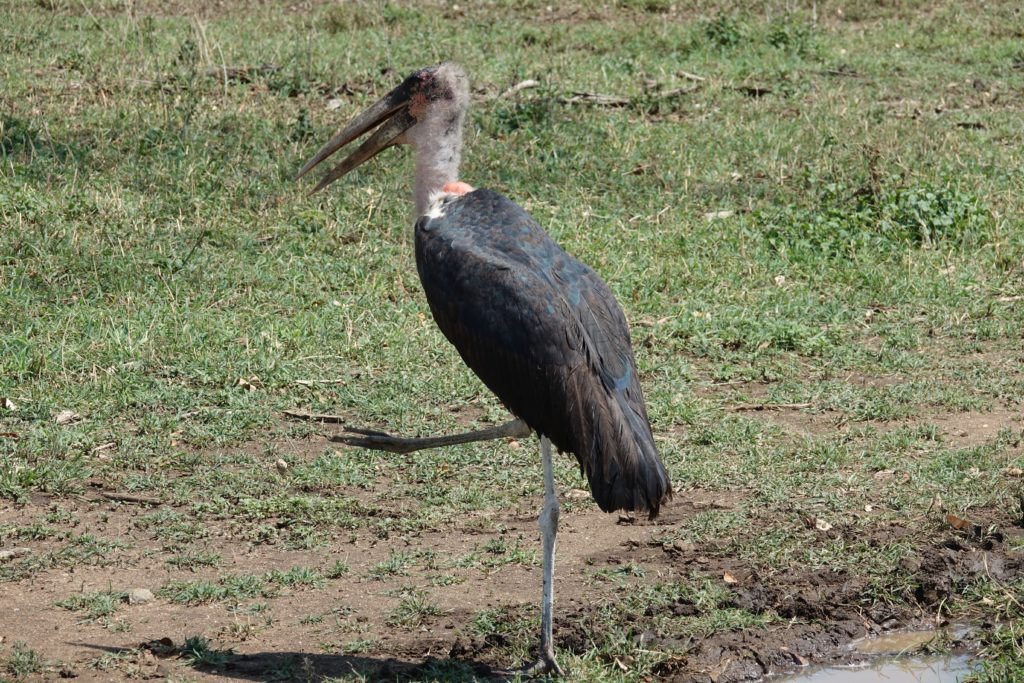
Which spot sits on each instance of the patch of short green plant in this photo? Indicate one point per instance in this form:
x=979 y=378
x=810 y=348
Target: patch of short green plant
x=199 y=652
x=1001 y=655
x=22 y=661
x=252 y=608
x=515 y=623
x=498 y=552
x=360 y=645
x=620 y=573
x=19 y=476
x=194 y=559
x=96 y=605
x=85 y=549
x=337 y=570
x=414 y=609
x=112 y=661
x=241 y=587
x=30 y=532
x=888 y=218
x=397 y=564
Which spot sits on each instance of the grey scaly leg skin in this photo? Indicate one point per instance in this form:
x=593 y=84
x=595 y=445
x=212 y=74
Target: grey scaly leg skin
x=548 y=523
x=380 y=441
x=548 y=520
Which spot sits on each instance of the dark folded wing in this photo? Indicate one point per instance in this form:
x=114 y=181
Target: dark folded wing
x=546 y=335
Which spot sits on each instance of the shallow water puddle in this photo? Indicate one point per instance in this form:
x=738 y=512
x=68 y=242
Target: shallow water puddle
x=930 y=669
x=891 y=666
x=895 y=643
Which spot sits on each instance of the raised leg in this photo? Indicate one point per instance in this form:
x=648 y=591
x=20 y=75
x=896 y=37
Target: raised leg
x=381 y=441
x=548 y=522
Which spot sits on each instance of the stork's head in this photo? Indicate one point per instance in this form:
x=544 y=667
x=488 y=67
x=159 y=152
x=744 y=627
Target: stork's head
x=428 y=106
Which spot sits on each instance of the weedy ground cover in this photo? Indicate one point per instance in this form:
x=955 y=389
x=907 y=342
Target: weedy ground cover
x=811 y=214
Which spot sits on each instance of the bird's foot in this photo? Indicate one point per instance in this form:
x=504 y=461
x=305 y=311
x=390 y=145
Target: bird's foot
x=545 y=666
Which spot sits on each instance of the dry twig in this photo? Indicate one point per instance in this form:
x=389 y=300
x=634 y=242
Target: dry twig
x=242 y=74
x=299 y=414
x=521 y=85
x=768 y=406
x=130 y=498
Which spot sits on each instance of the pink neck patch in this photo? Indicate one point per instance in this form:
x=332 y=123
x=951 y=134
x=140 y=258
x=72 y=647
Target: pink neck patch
x=458 y=187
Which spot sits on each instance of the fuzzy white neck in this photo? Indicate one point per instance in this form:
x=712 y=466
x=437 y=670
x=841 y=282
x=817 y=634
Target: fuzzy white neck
x=438 y=145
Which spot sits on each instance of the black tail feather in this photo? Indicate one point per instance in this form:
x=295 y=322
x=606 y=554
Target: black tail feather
x=615 y=447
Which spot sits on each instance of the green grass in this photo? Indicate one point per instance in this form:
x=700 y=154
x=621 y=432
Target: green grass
x=397 y=564
x=831 y=220
x=1004 y=650
x=94 y=605
x=241 y=587
x=199 y=653
x=413 y=611
x=22 y=661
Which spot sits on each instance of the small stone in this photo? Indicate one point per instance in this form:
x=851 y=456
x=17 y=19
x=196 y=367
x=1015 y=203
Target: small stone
x=66 y=417
x=13 y=553
x=140 y=596
x=646 y=638
x=681 y=546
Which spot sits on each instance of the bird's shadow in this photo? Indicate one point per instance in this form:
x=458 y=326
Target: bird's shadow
x=304 y=666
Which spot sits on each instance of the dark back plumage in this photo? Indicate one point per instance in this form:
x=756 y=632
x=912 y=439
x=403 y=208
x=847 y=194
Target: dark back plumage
x=545 y=334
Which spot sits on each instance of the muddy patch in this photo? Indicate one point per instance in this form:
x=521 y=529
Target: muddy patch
x=816 y=615
x=812 y=617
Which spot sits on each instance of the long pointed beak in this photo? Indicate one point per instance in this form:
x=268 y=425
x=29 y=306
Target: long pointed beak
x=392 y=115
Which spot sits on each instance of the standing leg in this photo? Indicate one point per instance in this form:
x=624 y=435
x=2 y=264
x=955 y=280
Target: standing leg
x=548 y=528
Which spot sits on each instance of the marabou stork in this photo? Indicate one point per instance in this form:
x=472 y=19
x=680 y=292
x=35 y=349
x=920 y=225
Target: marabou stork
x=541 y=329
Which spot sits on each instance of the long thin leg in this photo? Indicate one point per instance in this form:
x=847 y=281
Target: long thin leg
x=381 y=441
x=548 y=528
x=548 y=521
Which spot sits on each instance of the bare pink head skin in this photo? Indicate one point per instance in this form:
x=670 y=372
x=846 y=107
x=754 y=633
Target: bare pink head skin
x=426 y=111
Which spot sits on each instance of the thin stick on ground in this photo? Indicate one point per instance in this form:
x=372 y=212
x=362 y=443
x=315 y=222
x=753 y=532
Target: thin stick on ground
x=130 y=498
x=768 y=406
x=299 y=414
x=520 y=86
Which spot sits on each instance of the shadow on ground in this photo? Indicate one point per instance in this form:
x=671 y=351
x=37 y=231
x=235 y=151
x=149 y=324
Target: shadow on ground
x=162 y=656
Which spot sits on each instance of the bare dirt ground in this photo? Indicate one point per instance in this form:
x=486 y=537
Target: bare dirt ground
x=821 y=612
